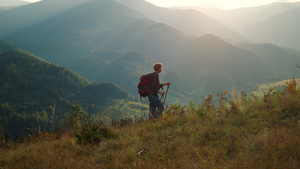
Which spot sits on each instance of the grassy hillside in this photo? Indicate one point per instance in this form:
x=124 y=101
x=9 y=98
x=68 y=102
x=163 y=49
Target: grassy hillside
x=249 y=133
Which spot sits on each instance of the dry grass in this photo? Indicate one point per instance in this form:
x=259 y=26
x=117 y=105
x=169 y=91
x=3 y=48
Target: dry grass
x=257 y=133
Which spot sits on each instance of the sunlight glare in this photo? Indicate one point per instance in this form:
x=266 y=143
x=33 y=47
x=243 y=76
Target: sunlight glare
x=31 y=0
x=221 y=4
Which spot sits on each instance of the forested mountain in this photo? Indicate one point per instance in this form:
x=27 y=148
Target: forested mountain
x=6 y=46
x=36 y=93
x=76 y=31
x=191 y=22
x=24 y=16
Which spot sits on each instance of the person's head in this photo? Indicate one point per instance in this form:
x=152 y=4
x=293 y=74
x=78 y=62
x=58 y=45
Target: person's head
x=157 y=67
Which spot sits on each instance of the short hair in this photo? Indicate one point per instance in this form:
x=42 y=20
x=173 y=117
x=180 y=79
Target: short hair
x=157 y=66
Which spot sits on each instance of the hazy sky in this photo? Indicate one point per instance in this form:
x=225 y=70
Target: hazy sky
x=222 y=4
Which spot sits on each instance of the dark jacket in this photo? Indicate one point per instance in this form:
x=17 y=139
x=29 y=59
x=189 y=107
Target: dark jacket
x=154 y=84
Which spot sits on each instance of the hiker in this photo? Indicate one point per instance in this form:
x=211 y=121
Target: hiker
x=155 y=105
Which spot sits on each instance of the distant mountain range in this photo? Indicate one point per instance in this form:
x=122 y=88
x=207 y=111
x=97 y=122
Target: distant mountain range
x=282 y=29
x=96 y=38
x=191 y=22
x=274 y=23
x=247 y=16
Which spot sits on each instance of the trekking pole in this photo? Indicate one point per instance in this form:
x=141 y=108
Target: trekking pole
x=165 y=95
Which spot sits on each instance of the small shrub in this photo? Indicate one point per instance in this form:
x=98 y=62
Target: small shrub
x=93 y=133
x=86 y=129
x=200 y=110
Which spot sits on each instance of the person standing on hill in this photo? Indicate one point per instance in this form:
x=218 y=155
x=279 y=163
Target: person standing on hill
x=155 y=105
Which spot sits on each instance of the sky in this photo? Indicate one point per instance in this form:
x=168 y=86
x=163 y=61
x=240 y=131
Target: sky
x=221 y=4
x=31 y=0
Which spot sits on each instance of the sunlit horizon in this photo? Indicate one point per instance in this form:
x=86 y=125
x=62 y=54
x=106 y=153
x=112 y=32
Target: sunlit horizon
x=220 y=4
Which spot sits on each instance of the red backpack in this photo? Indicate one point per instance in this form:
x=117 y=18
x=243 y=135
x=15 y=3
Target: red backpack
x=143 y=86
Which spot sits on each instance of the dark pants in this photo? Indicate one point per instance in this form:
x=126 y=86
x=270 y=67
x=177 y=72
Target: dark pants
x=156 y=108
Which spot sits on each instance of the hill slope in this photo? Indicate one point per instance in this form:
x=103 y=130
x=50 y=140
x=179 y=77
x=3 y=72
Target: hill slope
x=23 y=71
x=256 y=133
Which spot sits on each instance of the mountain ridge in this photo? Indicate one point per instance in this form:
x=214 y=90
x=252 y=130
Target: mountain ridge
x=191 y=22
